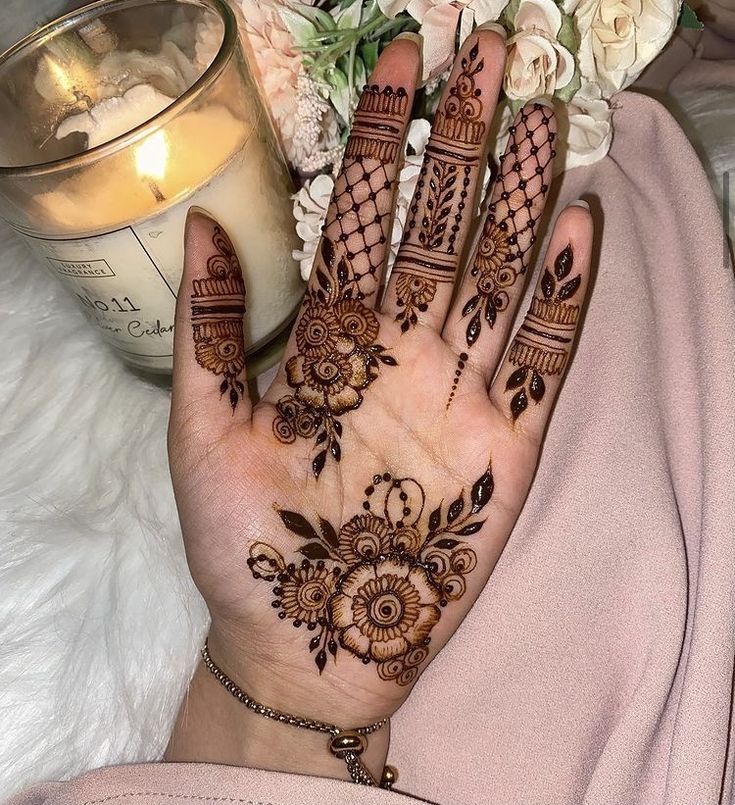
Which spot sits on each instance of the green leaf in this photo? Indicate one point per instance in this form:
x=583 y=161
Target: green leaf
x=509 y=15
x=688 y=18
x=566 y=94
x=300 y=28
x=568 y=34
x=515 y=105
x=359 y=76
x=322 y=20
x=369 y=53
x=339 y=93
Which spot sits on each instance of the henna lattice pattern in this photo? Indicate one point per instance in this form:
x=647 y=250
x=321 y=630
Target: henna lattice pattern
x=360 y=213
x=359 y=218
x=509 y=232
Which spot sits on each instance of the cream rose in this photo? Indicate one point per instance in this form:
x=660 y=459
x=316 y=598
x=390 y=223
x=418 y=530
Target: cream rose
x=537 y=63
x=590 y=128
x=619 y=38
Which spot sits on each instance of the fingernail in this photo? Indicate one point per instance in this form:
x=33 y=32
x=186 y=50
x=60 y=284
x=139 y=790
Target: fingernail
x=580 y=202
x=417 y=39
x=194 y=210
x=493 y=26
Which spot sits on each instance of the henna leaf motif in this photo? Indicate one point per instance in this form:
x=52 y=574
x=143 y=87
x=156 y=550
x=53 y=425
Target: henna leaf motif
x=537 y=387
x=518 y=378
x=473 y=329
x=471 y=304
x=328 y=532
x=317 y=465
x=563 y=263
x=519 y=403
x=447 y=544
x=455 y=509
x=482 y=491
x=469 y=530
x=435 y=519
x=569 y=288
x=297 y=524
x=547 y=284
x=491 y=312
x=314 y=550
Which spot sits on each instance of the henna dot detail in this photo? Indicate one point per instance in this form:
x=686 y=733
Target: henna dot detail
x=461 y=363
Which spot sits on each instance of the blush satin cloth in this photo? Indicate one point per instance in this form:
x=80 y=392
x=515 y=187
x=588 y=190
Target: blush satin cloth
x=597 y=665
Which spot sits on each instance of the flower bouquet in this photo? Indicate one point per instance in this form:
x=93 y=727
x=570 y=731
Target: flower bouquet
x=314 y=59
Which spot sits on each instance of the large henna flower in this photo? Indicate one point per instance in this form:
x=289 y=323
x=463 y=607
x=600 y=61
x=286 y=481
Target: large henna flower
x=384 y=607
x=364 y=537
x=332 y=382
x=303 y=597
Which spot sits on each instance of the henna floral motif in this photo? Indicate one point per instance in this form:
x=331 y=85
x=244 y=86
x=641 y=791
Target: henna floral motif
x=338 y=357
x=433 y=237
x=376 y=586
x=217 y=309
x=541 y=346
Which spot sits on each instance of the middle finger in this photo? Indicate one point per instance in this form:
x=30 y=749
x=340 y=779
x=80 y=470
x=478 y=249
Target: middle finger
x=441 y=213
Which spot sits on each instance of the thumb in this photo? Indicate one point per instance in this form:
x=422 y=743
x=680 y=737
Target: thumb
x=209 y=389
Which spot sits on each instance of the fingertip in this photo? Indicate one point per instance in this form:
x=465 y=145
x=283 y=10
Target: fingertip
x=400 y=62
x=538 y=111
x=492 y=41
x=575 y=220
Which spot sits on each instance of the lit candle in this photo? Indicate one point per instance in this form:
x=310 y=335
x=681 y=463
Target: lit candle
x=111 y=225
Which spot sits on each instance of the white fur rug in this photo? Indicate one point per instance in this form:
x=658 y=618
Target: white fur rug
x=99 y=621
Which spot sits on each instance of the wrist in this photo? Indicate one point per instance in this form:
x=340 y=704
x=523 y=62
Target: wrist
x=213 y=726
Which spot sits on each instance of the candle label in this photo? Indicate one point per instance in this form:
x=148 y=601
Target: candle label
x=119 y=287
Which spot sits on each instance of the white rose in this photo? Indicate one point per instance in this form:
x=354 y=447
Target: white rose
x=537 y=63
x=590 y=128
x=621 y=37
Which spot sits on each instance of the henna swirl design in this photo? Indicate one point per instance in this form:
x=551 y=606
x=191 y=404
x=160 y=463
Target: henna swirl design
x=542 y=345
x=217 y=309
x=375 y=587
x=337 y=358
x=431 y=242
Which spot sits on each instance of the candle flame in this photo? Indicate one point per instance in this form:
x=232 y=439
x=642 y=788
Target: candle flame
x=151 y=157
x=60 y=75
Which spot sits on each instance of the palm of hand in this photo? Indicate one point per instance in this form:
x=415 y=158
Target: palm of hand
x=378 y=561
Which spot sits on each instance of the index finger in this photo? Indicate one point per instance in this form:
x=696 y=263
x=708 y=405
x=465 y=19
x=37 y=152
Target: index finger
x=359 y=219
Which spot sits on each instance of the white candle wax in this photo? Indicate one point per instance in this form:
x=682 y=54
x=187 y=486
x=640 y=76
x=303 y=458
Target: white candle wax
x=126 y=272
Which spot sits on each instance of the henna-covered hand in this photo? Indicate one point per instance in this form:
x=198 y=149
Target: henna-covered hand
x=341 y=528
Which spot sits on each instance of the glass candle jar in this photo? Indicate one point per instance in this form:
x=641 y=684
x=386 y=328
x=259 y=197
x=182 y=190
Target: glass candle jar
x=116 y=119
